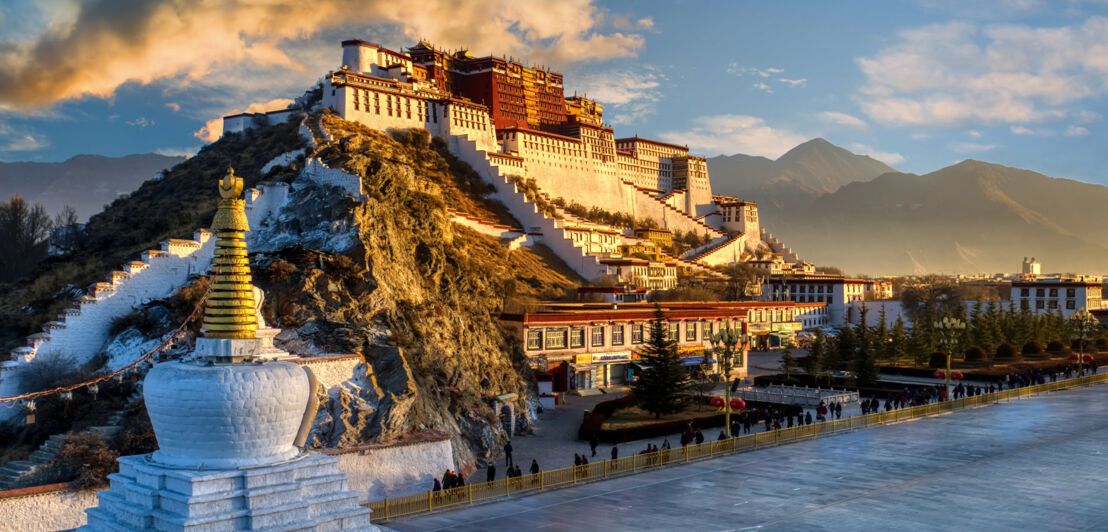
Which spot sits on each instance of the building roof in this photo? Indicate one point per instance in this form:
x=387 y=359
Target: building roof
x=592 y=312
x=637 y=138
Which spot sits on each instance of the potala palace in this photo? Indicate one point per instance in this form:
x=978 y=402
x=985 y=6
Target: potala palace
x=512 y=122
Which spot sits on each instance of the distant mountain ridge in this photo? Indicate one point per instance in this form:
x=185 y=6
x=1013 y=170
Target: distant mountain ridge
x=971 y=217
x=793 y=180
x=85 y=182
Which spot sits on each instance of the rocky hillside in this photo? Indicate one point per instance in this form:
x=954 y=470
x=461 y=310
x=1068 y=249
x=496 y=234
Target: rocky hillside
x=387 y=276
x=84 y=182
x=967 y=218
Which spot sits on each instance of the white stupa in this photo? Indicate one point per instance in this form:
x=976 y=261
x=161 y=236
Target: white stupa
x=230 y=424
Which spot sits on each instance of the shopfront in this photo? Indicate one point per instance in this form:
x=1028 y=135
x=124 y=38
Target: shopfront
x=613 y=367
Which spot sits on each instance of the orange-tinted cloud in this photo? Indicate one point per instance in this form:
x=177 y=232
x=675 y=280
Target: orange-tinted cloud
x=112 y=42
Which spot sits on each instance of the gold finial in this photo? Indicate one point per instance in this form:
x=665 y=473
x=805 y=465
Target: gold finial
x=229 y=309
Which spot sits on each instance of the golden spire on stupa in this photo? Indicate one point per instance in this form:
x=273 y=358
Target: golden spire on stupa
x=229 y=309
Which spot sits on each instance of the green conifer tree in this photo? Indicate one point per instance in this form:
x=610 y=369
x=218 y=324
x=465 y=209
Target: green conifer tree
x=898 y=342
x=813 y=364
x=661 y=386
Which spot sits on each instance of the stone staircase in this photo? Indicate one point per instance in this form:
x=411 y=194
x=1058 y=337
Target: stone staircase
x=34 y=471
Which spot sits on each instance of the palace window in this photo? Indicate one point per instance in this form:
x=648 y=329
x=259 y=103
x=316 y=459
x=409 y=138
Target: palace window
x=1071 y=292
x=1025 y=292
x=674 y=331
x=1040 y=292
x=617 y=334
x=534 y=339
x=1039 y=304
x=598 y=336
x=706 y=329
x=555 y=338
x=636 y=333
x=690 y=331
x=1053 y=292
x=1052 y=304
x=1071 y=304
x=577 y=337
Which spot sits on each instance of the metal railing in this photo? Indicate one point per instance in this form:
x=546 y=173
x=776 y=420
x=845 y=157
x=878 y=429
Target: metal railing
x=627 y=465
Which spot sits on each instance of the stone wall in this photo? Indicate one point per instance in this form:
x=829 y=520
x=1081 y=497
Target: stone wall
x=380 y=471
x=44 y=508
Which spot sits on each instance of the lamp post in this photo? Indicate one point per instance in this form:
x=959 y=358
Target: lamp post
x=949 y=329
x=723 y=345
x=1081 y=323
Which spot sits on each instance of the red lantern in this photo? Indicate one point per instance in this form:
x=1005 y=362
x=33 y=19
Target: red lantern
x=1074 y=356
x=717 y=402
x=956 y=375
x=1088 y=358
x=738 y=404
x=940 y=374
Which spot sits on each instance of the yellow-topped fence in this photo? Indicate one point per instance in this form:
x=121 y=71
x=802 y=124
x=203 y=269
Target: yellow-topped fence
x=627 y=465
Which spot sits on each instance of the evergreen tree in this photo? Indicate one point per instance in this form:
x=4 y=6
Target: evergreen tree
x=898 y=342
x=977 y=328
x=881 y=336
x=660 y=387
x=865 y=366
x=813 y=364
x=965 y=338
x=845 y=347
x=862 y=332
x=994 y=318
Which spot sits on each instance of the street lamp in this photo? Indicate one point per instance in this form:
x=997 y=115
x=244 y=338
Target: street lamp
x=949 y=330
x=1081 y=323
x=723 y=346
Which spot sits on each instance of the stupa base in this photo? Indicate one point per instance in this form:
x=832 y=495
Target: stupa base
x=305 y=494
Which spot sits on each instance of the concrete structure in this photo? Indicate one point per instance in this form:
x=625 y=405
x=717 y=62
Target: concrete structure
x=1025 y=465
x=584 y=346
x=837 y=291
x=1065 y=294
x=1031 y=267
x=230 y=424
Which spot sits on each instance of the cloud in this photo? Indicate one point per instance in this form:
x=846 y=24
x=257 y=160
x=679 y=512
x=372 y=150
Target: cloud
x=1027 y=132
x=1076 y=131
x=972 y=147
x=187 y=151
x=629 y=96
x=108 y=43
x=730 y=134
x=213 y=128
x=841 y=119
x=763 y=87
x=975 y=133
x=960 y=73
x=794 y=82
x=886 y=157
x=173 y=106
x=734 y=68
x=21 y=140
x=141 y=121
x=920 y=136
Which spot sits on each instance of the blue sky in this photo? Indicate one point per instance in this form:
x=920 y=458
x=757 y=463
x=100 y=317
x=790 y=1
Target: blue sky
x=918 y=84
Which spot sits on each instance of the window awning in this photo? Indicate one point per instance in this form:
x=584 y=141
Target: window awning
x=692 y=361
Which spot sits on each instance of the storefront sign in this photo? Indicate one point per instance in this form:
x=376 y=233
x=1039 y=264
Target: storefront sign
x=787 y=326
x=620 y=356
x=758 y=328
x=582 y=360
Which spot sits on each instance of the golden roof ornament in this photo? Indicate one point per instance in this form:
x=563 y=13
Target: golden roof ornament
x=229 y=309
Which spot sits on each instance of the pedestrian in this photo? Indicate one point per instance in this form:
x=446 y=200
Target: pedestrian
x=576 y=459
x=437 y=486
x=684 y=439
x=490 y=474
x=535 y=466
x=615 y=451
x=808 y=418
x=518 y=472
x=838 y=410
x=665 y=444
x=790 y=421
x=722 y=436
x=508 y=453
x=699 y=437
x=593 y=443
x=459 y=481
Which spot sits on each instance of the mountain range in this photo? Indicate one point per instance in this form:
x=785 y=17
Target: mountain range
x=84 y=182
x=837 y=208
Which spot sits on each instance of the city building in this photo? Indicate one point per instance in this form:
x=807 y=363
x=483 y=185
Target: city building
x=1066 y=294
x=836 y=291
x=1031 y=267
x=585 y=346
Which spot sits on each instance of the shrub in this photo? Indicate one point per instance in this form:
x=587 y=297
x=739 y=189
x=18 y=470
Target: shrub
x=87 y=460
x=1055 y=346
x=1032 y=348
x=975 y=354
x=1006 y=350
x=938 y=360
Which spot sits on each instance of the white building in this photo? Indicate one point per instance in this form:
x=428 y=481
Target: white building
x=837 y=291
x=1068 y=294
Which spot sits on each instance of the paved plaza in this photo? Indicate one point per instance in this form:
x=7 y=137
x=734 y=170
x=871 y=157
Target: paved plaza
x=1032 y=464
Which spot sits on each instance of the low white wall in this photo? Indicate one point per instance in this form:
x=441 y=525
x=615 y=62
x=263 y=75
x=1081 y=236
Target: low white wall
x=397 y=470
x=332 y=371
x=43 y=512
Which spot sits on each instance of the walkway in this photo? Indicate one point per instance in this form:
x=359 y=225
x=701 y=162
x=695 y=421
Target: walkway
x=1032 y=464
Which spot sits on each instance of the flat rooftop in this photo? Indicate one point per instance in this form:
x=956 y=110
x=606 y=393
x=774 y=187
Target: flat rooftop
x=1031 y=464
